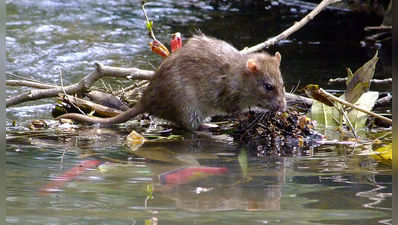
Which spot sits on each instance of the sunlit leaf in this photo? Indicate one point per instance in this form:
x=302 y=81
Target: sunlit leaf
x=312 y=91
x=330 y=116
x=323 y=114
x=357 y=92
x=159 y=49
x=366 y=101
x=135 y=140
x=149 y=195
x=149 y=25
x=176 y=41
x=384 y=154
x=350 y=75
x=359 y=82
x=149 y=191
x=175 y=137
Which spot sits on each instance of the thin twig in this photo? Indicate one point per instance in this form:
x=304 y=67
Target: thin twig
x=151 y=34
x=292 y=29
x=86 y=82
x=349 y=122
x=369 y=28
x=27 y=83
x=341 y=101
x=23 y=78
x=62 y=158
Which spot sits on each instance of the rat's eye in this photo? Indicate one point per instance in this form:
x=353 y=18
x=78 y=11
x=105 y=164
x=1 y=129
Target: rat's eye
x=269 y=87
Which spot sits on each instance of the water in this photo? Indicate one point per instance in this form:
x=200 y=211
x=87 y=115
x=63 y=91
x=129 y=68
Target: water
x=317 y=184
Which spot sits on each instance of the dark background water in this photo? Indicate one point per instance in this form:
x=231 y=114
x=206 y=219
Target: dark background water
x=320 y=184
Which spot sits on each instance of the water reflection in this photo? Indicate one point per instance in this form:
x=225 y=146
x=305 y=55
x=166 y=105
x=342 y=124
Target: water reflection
x=243 y=186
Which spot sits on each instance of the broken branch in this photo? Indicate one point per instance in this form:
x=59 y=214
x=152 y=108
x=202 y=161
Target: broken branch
x=80 y=87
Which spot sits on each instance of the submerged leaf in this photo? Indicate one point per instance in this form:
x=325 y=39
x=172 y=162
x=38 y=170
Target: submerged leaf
x=359 y=82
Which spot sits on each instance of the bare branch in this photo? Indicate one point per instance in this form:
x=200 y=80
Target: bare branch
x=99 y=109
x=292 y=29
x=32 y=84
x=381 y=84
x=293 y=99
x=80 y=87
x=381 y=27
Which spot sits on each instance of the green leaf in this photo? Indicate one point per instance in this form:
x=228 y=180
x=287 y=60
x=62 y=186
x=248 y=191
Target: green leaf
x=330 y=116
x=359 y=83
x=366 y=101
x=149 y=191
x=350 y=75
x=323 y=114
x=149 y=25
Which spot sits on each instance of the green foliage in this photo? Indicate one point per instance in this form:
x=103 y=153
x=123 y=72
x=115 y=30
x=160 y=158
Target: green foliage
x=149 y=25
x=330 y=113
x=359 y=82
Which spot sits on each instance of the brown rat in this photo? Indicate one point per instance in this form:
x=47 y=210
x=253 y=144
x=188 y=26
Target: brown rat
x=205 y=77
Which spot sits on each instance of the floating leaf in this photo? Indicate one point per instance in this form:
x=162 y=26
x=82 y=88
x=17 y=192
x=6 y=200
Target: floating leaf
x=359 y=82
x=135 y=140
x=384 y=154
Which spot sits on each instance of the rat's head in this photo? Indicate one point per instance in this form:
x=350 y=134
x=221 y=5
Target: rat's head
x=265 y=81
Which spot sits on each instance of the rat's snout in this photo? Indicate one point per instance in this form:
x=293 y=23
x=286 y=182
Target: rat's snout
x=279 y=104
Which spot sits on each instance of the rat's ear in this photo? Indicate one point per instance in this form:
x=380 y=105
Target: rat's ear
x=252 y=66
x=278 y=57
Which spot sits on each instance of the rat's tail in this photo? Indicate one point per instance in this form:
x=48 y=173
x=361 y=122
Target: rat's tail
x=121 y=118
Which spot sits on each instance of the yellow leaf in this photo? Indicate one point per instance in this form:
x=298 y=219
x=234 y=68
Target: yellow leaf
x=135 y=140
x=384 y=154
